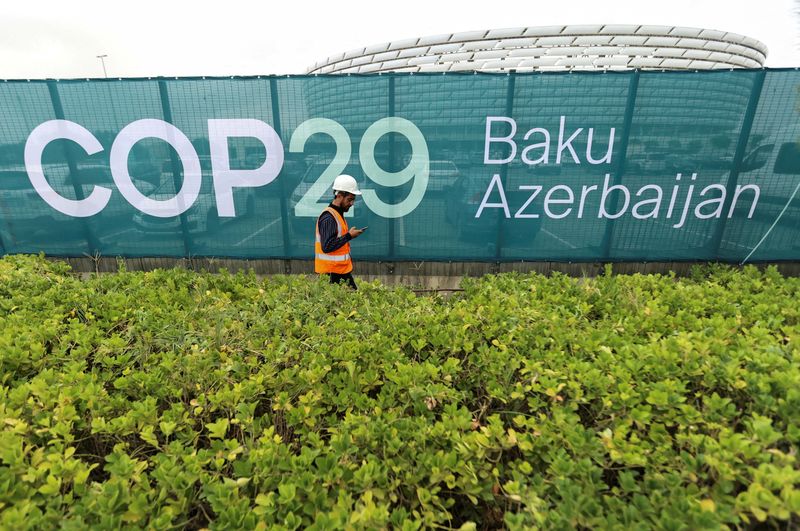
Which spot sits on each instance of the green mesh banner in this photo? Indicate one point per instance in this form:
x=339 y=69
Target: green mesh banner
x=480 y=167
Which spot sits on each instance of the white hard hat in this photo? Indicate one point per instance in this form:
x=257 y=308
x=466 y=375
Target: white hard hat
x=346 y=183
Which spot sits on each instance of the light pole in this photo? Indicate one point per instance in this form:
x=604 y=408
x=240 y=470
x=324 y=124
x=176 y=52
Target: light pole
x=103 y=61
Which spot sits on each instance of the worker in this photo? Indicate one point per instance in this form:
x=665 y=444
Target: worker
x=332 y=246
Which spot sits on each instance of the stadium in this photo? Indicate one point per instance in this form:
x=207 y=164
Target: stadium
x=555 y=48
x=676 y=127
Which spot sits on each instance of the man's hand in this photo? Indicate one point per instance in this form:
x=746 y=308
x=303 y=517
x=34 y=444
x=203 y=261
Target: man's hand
x=355 y=233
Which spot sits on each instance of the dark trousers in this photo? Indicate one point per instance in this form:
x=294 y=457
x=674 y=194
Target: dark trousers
x=336 y=278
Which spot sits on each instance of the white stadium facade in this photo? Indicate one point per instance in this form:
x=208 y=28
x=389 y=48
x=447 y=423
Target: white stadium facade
x=555 y=48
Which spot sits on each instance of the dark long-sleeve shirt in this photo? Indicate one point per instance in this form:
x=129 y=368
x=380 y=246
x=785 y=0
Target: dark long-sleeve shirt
x=329 y=231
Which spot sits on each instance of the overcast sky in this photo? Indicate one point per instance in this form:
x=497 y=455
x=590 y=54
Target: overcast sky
x=60 y=39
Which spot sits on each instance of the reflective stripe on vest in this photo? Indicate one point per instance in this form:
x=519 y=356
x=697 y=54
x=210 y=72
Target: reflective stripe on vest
x=333 y=258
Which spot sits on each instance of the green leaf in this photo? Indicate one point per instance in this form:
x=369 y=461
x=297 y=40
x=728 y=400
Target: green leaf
x=167 y=427
x=147 y=434
x=287 y=492
x=51 y=487
x=658 y=398
x=218 y=429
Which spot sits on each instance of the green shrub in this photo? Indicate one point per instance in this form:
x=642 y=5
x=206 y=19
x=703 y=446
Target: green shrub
x=175 y=399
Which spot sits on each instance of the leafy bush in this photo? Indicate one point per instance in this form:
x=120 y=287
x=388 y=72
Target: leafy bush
x=174 y=399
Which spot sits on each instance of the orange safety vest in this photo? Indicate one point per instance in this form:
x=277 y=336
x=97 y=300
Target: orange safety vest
x=337 y=261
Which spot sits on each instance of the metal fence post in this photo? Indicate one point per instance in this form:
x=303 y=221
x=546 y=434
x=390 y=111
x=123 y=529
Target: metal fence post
x=504 y=168
x=392 y=165
x=2 y=245
x=633 y=88
x=58 y=109
x=276 y=122
x=177 y=167
x=741 y=147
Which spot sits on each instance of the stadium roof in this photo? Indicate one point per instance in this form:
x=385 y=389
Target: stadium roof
x=555 y=48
